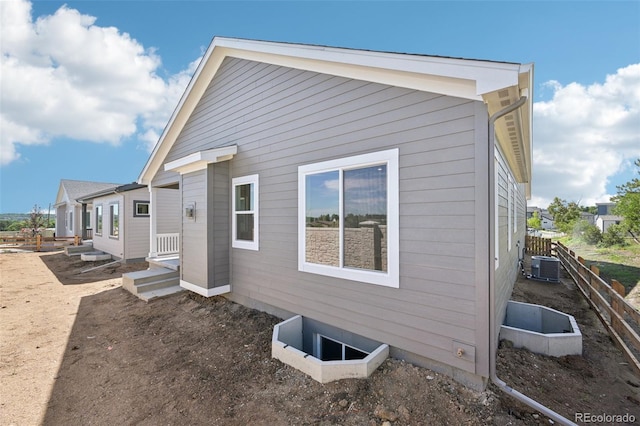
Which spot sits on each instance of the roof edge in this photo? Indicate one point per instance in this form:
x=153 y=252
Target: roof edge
x=466 y=78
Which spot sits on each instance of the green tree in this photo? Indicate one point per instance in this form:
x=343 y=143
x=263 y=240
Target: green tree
x=36 y=220
x=565 y=215
x=628 y=202
x=534 y=221
x=17 y=225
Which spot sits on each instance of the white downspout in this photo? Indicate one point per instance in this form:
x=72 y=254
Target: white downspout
x=492 y=291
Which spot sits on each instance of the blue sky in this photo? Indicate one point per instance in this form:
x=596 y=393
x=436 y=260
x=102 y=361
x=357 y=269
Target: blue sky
x=86 y=88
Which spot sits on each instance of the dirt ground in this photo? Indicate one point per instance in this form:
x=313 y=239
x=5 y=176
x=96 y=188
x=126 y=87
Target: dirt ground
x=77 y=349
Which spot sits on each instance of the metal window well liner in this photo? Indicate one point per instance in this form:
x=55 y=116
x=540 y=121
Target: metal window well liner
x=324 y=352
x=541 y=330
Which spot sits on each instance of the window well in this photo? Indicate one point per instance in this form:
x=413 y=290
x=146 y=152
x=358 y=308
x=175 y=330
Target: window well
x=324 y=352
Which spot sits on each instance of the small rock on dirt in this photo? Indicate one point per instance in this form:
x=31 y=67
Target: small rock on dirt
x=385 y=414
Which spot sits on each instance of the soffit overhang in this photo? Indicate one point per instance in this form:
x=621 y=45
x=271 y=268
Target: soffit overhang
x=514 y=130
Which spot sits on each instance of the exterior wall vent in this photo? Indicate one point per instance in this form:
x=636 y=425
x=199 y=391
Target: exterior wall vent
x=545 y=268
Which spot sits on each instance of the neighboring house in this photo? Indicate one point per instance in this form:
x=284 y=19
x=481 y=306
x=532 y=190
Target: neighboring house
x=603 y=222
x=588 y=217
x=366 y=190
x=604 y=216
x=71 y=219
x=531 y=210
x=120 y=221
x=546 y=220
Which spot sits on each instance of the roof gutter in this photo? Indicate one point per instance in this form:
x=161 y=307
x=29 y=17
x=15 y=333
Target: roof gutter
x=492 y=291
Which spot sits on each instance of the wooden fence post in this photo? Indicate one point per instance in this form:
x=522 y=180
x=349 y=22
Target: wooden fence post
x=38 y=242
x=76 y=240
x=619 y=288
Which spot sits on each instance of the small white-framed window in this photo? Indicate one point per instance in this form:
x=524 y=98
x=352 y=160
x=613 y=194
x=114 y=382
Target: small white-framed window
x=245 y=217
x=114 y=220
x=70 y=221
x=140 y=208
x=99 y=219
x=348 y=221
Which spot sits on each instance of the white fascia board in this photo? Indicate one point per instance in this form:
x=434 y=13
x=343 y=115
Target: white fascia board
x=190 y=98
x=404 y=70
x=199 y=160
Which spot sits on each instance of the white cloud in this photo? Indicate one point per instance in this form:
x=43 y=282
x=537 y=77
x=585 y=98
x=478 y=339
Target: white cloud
x=63 y=76
x=583 y=136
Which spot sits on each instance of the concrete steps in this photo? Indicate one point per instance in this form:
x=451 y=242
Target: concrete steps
x=93 y=256
x=152 y=283
x=78 y=250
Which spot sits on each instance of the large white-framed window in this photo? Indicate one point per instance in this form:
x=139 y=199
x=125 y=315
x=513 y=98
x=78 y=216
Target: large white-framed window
x=348 y=220
x=99 y=219
x=245 y=219
x=114 y=220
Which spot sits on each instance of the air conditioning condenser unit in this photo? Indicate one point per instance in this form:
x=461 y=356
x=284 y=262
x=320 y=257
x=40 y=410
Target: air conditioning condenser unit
x=545 y=268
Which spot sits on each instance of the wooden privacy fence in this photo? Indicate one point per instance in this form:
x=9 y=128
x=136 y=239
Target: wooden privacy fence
x=538 y=246
x=620 y=318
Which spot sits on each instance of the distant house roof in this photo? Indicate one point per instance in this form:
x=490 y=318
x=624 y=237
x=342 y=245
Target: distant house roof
x=110 y=190
x=609 y=218
x=78 y=188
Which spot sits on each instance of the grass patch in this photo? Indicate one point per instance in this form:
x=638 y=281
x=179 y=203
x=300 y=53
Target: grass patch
x=618 y=262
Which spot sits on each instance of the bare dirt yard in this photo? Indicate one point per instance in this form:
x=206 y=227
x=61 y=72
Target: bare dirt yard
x=77 y=349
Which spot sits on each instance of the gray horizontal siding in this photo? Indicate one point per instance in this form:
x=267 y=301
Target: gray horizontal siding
x=136 y=228
x=219 y=227
x=194 y=258
x=104 y=242
x=283 y=118
x=169 y=210
x=506 y=273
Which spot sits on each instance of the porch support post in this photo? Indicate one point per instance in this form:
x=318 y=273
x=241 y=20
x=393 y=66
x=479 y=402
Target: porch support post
x=83 y=220
x=153 y=231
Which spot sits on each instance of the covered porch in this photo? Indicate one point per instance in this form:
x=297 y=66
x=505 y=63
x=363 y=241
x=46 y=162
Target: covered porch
x=165 y=222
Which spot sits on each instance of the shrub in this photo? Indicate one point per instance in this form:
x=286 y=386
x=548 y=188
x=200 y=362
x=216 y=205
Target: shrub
x=614 y=235
x=587 y=232
x=592 y=235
